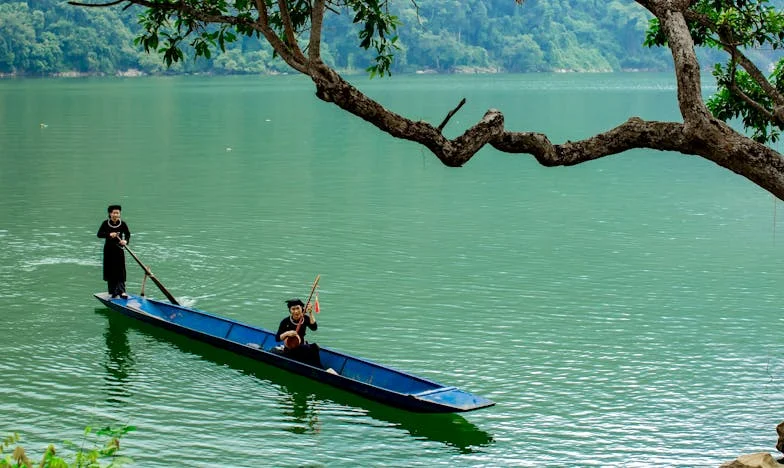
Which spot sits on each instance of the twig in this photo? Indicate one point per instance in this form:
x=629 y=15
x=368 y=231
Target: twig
x=450 y=114
x=115 y=2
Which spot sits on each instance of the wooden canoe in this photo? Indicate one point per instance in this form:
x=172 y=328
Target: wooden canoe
x=360 y=376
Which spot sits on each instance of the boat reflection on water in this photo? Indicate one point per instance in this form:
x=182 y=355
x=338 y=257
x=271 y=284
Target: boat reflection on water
x=119 y=363
x=303 y=410
x=301 y=394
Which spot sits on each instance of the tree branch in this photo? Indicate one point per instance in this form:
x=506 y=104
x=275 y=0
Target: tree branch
x=733 y=87
x=316 y=22
x=143 y=3
x=450 y=114
x=286 y=52
x=288 y=28
x=687 y=68
x=99 y=5
x=262 y=25
x=331 y=87
x=182 y=9
x=634 y=133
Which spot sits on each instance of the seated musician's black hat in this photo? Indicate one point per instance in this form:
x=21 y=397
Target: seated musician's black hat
x=294 y=302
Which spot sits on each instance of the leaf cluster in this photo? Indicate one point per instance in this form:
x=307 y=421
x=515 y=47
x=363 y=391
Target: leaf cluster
x=105 y=445
x=727 y=105
x=720 y=23
x=207 y=25
x=737 y=27
x=377 y=32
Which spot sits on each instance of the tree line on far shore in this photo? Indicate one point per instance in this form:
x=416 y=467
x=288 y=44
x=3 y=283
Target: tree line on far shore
x=50 y=37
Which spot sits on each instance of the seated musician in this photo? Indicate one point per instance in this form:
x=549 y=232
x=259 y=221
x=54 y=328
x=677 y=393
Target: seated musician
x=292 y=332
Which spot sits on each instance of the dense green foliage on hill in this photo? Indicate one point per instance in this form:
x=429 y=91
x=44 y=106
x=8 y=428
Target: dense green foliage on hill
x=40 y=37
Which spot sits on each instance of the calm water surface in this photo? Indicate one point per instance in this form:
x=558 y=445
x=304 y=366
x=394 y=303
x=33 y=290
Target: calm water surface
x=621 y=313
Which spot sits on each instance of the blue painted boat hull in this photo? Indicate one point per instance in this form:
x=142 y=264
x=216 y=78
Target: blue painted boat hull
x=360 y=376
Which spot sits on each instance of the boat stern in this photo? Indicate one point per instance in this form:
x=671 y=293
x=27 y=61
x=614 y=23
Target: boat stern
x=454 y=399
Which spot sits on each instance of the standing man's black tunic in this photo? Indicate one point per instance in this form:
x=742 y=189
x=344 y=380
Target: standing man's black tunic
x=114 y=255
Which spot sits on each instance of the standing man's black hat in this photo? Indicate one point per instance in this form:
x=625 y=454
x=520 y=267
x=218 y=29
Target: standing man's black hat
x=114 y=207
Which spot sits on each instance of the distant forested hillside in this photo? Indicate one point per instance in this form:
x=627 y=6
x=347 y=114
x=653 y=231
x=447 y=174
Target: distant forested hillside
x=43 y=37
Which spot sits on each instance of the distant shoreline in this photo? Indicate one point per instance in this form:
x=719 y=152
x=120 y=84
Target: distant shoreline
x=136 y=73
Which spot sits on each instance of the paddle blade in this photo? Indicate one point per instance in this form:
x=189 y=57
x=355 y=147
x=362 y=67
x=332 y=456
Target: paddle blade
x=147 y=272
x=164 y=290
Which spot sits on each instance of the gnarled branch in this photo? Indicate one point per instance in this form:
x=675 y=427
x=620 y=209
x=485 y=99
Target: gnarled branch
x=634 y=133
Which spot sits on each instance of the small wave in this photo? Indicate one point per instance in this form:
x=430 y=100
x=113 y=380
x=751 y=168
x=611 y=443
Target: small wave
x=186 y=301
x=30 y=265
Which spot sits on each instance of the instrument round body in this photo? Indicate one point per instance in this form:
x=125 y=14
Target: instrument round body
x=292 y=342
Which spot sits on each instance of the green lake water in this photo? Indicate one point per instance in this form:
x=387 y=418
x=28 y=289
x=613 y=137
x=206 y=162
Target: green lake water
x=623 y=312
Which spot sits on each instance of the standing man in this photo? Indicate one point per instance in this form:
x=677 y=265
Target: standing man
x=117 y=234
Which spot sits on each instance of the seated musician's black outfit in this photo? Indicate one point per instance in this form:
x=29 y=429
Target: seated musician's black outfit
x=304 y=352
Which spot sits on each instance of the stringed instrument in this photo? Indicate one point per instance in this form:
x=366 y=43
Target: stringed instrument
x=292 y=342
